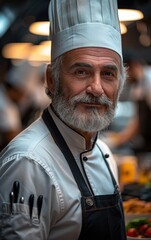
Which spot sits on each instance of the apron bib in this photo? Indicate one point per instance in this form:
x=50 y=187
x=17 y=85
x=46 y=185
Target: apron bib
x=102 y=215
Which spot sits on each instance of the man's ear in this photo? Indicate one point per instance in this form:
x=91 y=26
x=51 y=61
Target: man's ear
x=49 y=79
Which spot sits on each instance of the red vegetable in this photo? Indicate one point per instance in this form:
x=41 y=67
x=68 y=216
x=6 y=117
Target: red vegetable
x=139 y=228
x=148 y=232
x=143 y=228
x=132 y=232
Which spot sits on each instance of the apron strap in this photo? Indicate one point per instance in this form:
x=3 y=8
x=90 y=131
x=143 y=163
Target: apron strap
x=59 y=140
x=116 y=187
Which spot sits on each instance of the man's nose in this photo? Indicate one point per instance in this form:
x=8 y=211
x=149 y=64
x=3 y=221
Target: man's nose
x=95 y=86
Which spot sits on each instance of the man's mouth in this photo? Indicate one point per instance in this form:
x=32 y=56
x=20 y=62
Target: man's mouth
x=92 y=104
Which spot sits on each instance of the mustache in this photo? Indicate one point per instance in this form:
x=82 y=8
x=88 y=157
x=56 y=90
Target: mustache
x=103 y=100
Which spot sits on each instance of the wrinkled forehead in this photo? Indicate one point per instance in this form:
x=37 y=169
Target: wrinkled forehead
x=97 y=55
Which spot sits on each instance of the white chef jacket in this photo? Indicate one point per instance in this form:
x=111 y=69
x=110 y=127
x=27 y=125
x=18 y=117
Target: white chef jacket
x=34 y=160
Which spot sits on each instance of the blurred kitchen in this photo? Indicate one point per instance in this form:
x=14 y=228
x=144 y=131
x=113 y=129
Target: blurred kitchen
x=25 y=51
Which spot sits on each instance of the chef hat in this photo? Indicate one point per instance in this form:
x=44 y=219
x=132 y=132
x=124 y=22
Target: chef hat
x=84 y=23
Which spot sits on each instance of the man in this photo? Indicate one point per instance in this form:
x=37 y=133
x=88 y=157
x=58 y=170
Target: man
x=58 y=180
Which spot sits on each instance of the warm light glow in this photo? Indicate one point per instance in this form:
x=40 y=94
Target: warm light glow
x=40 y=53
x=129 y=15
x=28 y=51
x=16 y=50
x=123 y=28
x=40 y=28
x=48 y=43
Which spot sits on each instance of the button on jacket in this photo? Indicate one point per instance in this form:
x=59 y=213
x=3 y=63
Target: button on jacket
x=37 y=163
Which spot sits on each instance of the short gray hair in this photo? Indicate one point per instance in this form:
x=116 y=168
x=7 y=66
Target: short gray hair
x=55 y=68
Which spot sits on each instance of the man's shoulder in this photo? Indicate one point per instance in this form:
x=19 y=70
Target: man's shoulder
x=33 y=137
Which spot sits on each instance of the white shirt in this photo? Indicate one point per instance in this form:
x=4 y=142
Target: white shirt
x=36 y=162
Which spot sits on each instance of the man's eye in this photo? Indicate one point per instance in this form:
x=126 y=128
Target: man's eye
x=81 y=73
x=108 y=73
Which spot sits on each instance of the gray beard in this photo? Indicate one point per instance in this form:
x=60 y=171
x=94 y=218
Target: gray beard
x=91 y=121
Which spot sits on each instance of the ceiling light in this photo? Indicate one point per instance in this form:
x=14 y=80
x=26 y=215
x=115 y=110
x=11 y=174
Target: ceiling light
x=123 y=28
x=40 y=53
x=129 y=15
x=28 y=51
x=40 y=28
x=16 y=50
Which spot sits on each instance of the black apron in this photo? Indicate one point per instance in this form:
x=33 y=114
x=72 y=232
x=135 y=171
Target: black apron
x=102 y=216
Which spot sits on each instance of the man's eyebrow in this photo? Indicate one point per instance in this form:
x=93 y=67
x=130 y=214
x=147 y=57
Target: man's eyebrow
x=111 y=67
x=80 y=64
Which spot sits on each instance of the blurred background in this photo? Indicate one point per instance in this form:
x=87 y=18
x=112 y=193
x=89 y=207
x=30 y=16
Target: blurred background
x=24 y=53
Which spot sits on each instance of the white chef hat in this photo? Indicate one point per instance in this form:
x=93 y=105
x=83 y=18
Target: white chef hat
x=84 y=23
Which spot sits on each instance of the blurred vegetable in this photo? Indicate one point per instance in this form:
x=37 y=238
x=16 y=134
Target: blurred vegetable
x=132 y=232
x=143 y=228
x=139 y=227
x=148 y=232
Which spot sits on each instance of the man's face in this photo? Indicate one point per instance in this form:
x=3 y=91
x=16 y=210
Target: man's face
x=88 y=88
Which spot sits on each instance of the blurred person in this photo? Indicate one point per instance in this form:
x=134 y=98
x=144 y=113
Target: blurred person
x=41 y=98
x=137 y=133
x=36 y=100
x=11 y=93
x=64 y=178
x=22 y=98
